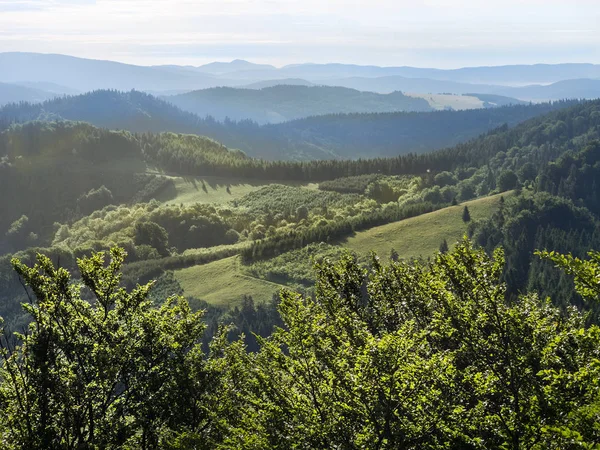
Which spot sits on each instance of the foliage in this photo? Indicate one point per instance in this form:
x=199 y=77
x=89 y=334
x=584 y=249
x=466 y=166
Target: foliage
x=94 y=199
x=444 y=246
x=404 y=355
x=294 y=267
x=349 y=185
x=507 y=180
x=152 y=235
x=113 y=373
x=585 y=272
x=410 y=356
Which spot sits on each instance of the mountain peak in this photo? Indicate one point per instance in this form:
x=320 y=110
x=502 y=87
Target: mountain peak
x=233 y=66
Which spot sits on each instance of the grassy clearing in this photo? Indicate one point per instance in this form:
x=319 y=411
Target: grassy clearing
x=189 y=190
x=442 y=101
x=222 y=284
x=421 y=236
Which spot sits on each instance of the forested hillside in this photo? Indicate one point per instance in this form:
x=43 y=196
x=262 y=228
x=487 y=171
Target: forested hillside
x=283 y=103
x=86 y=188
x=320 y=137
x=299 y=225
x=456 y=348
x=61 y=171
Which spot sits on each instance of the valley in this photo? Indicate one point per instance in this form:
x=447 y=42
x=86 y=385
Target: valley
x=308 y=225
x=228 y=226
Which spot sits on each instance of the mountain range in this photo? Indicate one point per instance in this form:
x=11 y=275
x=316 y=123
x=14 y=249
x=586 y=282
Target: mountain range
x=526 y=82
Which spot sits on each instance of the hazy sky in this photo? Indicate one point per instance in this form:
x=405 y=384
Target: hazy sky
x=425 y=33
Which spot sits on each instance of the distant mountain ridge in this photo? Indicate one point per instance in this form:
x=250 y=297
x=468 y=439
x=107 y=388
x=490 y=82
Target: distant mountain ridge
x=280 y=82
x=81 y=75
x=513 y=75
x=580 y=88
x=233 y=66
x=87 y=74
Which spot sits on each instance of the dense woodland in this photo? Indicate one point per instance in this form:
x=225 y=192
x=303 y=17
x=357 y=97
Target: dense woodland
x=486 y=344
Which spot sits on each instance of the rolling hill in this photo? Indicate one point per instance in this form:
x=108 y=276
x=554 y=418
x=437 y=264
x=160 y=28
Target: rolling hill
x=279 y=82
x=421 y=236
x=283 y=103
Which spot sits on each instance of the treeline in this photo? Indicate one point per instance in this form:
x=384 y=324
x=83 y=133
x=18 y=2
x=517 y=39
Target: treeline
x=538 y=141
x=333 y=231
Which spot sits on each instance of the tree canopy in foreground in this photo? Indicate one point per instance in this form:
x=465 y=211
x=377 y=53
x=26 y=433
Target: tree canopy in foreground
x=412 y=356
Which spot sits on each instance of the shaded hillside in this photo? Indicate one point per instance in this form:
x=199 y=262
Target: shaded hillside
x=319 y=137
x=390 y=134
x=282 y=103
x=59 y=171
x=134 y=111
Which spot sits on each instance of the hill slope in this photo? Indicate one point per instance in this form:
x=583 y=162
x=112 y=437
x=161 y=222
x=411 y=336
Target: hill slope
x=421 y=236
x=221 y=283
x=13 y=93
x=50 y=168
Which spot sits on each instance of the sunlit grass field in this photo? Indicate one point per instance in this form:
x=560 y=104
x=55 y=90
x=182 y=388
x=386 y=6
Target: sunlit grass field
x=421 y=236
x=222 y=284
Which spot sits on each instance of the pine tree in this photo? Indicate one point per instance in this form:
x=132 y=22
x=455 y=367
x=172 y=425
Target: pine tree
x=444 y=246
x=466 y=216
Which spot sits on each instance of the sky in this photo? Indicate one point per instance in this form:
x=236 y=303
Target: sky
x=422 y=33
